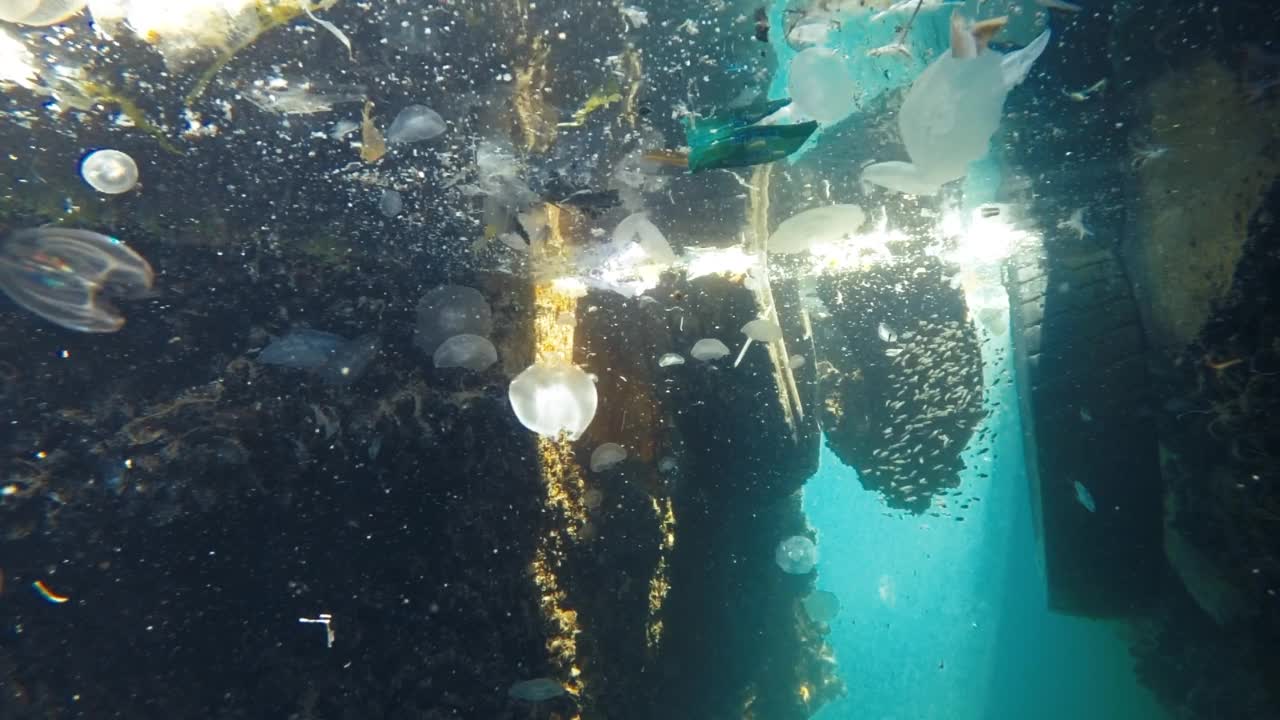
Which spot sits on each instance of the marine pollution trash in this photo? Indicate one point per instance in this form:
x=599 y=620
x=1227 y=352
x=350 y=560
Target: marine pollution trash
x=606 y=456
x=738 y=137
x=952 y=111
x=333 y=358
x=415 y=123
x=62 y=275
x=536 y=690
x=471 y=352
x=109 y=171
x=631 y=263
x=554 y=397
x=796 y=555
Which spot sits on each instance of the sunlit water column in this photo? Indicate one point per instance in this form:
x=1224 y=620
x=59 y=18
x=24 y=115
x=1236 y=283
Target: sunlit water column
x=946 y=617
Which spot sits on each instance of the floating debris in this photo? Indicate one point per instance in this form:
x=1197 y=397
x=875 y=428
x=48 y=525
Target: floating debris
x=1084 y=497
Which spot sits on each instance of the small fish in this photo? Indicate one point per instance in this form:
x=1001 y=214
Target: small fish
x=1084 y=497
x=893 y=48
x=1085 y=94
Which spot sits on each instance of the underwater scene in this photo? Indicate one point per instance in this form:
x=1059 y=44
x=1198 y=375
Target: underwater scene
x=639 y=359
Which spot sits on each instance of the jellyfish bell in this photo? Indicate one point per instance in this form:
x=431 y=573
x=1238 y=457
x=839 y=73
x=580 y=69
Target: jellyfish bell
x=821 y=86
x=817 y=226
x=451 y=310
x=554 y=397
x=109 y=171
x=391 y=203
x=797 y=555
x=759 y=330
x=708 y=349
x=414 y=124
x=471 y=352
x=606 y=456
x=39 y=12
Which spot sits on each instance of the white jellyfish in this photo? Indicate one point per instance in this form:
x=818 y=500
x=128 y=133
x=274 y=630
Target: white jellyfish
x=39 y=12
x=759 y=330
x=451 y=310
x=109 y=171
x=796 y=362
x=796 y=555
x=818 y=226
x=669 y=359
x=554 y=397
x=708 y=349
x=391 y=203
x=465 y=351
x=606 y=456
x=415 y=123
x=820 y=85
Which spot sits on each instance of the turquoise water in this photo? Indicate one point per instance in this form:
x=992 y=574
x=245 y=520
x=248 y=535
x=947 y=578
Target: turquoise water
x=943 y=618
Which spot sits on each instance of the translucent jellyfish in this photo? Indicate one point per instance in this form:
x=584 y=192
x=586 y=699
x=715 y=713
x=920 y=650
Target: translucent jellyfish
x=536 y=690
x=708 y=349
x=465 y=351
x=451 y=310
x=350 y=360
x=820 y=85
x=414 y=124
x=759 y=330
x=554 y=397
x=63 y=275
x=109 y=171
x=606 y=456
x=950 y=114
x=818 y=226
x=669 y=359
x=391 y=203
x=333 y=358
x=39 y=12
x=821 y=606
x=796 y=362
x=796 y=555
x=302 y=348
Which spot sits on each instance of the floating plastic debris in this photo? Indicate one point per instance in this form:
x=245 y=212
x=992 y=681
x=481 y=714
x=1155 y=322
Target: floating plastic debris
x=415 y=124
x=536 y=690
x=554 y=397
x=797 y=555
x=109 y=171
x=606 y=456
x=465 y=351
x=708 y=349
